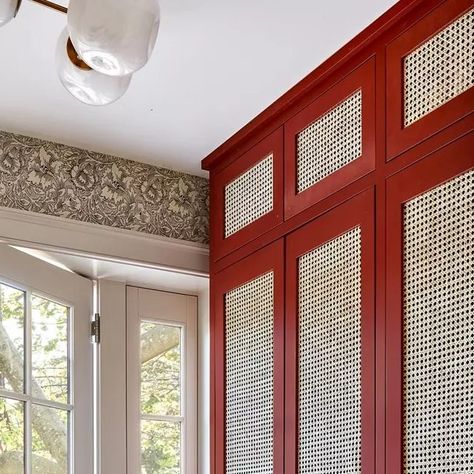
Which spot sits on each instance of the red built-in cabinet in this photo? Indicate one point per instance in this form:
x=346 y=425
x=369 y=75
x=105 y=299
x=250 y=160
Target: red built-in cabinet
x=342 y=230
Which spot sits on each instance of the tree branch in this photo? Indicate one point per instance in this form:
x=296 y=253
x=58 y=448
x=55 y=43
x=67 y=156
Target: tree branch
x=11 y=462
x=156 y=341
x=46 y=421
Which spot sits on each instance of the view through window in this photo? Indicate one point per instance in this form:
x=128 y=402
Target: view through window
x=35 y=383
x=161 y=407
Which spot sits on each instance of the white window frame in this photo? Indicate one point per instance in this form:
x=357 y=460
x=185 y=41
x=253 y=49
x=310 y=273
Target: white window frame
x=173 y=309
x=32 y=276
x=58 y=234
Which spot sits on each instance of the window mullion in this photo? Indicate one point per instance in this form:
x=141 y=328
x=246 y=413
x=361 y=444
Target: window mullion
x=27 y=384
x=165 y=418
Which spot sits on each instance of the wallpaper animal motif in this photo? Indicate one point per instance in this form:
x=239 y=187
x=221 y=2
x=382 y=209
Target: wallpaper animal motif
x=59 y=180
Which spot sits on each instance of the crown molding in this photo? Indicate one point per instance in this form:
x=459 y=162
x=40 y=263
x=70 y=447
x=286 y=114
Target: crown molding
x=45 y=232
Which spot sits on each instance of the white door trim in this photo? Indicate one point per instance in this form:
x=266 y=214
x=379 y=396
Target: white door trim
x=46 y=232
x=30 y=274
x=175 y=309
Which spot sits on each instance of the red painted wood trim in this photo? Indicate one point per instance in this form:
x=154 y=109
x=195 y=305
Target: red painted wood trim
x=274 y=116
x=223 y=245
x=271 y=258
x=441 y=166
x=401 y=138
x=379 y=445
x=285 y=228
x=363 y=78
x=383 y=170
x=359 y=211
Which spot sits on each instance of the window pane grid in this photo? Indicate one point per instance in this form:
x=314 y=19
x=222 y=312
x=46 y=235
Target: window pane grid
x=43 y=443
x=161 y=397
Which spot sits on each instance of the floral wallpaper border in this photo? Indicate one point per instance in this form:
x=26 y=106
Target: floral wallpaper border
x=55 y=179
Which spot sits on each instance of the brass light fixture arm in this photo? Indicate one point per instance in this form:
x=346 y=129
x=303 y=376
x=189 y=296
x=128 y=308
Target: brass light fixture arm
x=52 y=5
x=71 y=52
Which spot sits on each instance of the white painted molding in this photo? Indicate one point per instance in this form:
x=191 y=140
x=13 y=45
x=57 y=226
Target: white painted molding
x=46 y=232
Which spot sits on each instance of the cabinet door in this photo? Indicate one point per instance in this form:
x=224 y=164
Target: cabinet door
x=248 y=360
x=330 y=143
x=247 y=196
x=430 y=307
x=430 y=74
x=330 y=342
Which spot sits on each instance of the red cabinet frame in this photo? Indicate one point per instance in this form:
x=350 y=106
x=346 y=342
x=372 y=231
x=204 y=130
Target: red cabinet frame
x=397 y=164
x=358 y=211
x=443 y=165
x=361 y=78
x=270 y=258
x=400 y=138
x=222 y=245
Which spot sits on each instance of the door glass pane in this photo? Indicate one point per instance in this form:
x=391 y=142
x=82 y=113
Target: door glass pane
x=160 y=369
x=49 y=440
x=11 y=436
x=12 y=339
x=161 y=446
x=49 y=349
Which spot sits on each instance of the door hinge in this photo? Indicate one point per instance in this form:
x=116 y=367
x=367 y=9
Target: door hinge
x=95 y=328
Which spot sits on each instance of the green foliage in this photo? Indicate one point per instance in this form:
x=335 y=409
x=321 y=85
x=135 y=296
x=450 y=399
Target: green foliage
x=160 y=447
x=11 y=425
x=161 y=395
x=160 y=389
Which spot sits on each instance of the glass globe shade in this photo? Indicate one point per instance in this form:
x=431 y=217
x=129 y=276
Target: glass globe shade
x=8 y=10
x=85 y=84
x=114 y=37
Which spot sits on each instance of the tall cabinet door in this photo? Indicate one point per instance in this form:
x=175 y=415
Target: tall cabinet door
x=330 y=342
x=248 y=362
x=430 y=314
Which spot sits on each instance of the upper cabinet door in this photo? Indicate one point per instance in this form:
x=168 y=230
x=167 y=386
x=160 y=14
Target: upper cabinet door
x=331 y=142
x=430 y=306
x=330 y=326
x=430 y=73
x=247 y=196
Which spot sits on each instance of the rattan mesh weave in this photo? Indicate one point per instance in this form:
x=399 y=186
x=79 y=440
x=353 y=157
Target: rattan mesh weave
x=330 y=357
x=249 y=197
x=440 y=69
x=329 y=143
x=249 y=377
x=439 y=329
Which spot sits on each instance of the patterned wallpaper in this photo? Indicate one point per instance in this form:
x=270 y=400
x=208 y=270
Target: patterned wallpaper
x=59 y=180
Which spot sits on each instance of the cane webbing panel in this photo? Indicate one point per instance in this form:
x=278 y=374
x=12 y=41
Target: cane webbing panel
x=440 y=69
x=438 y=331
x=249 y=377
x=330 y=357
x=249 y=197
x=329 y=143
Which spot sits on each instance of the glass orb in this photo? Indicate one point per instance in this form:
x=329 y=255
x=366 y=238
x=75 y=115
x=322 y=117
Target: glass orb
x=114 y=37
x=8 y=10
x=85 y=84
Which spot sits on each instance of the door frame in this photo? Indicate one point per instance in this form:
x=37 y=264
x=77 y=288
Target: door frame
x=50 y=233
x=30 y=275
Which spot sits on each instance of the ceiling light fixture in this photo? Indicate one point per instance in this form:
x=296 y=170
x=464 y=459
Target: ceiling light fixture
x=105 y=42
x=8 y=10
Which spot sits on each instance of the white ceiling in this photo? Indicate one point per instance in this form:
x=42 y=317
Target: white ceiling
x=217 y=64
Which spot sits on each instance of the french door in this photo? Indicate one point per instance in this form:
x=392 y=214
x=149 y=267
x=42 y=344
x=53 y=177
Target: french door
x=161 y=382
x=46 y=394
